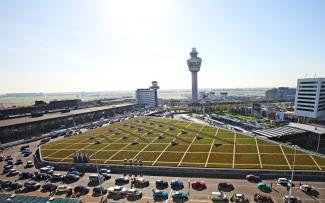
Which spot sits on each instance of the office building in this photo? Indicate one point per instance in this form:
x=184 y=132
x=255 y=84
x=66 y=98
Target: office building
x=194 y=65
x=148 y=96
x=310 y=99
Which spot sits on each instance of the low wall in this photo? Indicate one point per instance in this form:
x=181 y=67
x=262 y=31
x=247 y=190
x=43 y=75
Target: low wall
x=300 y=175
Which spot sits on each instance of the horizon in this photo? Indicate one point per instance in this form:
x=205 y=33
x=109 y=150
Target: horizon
x=162 y=90
x=96 y=46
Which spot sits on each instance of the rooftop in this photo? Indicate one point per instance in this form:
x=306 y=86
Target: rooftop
x=23 y=120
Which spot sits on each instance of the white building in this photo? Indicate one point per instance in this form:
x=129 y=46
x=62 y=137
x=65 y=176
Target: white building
x=148 y=96
x=310 y=98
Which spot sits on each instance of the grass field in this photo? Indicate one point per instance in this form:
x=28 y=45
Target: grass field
x=150 y=139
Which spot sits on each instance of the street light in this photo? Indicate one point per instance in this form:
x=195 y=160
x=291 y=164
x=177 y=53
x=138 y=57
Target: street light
x=99 y=177
x=292 y=170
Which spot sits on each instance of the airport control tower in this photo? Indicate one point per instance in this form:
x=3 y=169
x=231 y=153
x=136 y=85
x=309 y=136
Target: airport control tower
x=194 y=64
x=155 y=87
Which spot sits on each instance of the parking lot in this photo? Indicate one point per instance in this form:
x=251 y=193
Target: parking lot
x=240 y=185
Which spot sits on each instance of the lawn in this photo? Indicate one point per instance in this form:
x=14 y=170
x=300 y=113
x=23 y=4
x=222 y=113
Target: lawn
x=117 y=144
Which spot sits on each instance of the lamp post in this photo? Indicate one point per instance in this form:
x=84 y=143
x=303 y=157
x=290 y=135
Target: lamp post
x=318 y=142
x=99 y=177
x=292 y=170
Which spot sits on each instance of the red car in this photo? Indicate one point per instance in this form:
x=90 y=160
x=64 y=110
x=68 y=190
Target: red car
x=262 y=198
x=199 y=185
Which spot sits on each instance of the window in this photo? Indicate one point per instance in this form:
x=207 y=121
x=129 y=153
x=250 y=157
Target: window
x=306 y=98
x=304 y=94
x=306 y=102
x=302 y=109
x=302 y=90
x=308 y=106
x=311 y=82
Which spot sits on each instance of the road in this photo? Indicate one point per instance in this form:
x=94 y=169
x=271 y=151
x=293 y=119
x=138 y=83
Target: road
x=241 y=185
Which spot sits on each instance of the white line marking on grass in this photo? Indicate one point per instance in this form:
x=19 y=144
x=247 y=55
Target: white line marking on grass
x=285 y=156
x=234 y=151
x=145 y=147
x=258 y=153
x=188 y=147
x=315 y=162
x=123 y=148
x=85 y=148
x=207 y=161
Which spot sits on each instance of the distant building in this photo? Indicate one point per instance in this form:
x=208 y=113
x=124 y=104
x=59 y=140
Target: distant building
x=310 y=99
x=281 y=93
x=148 y=96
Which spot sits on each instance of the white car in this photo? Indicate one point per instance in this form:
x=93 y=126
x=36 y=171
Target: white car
x=117 y=190
x=63 y=188
x=219 y=197
x=307 y=188
x=283 y=181
x=136 y=193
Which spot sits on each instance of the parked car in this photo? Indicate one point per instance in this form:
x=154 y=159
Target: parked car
x=5 y=183
x=180 y=195
x=63 y=188
x=75 y=173
x=117 y=190
x=105 y=173
x=134 y=193
x=81 y=189
x=46 y=170
x=16 y=185
x=43 y=176
x=262 y=198
x=224 y=186
x=29 y=164
x=253 y=178
x=71 y=177
x=32 y=185
x=13 y=172
x=218 y=197
x=239 y=198
x=264 y=186
x=49 y=187
x=9 y=157
x=99 y=190
x=292 y=199
x=26 y=153
x=310 y=190
x=199 y=185
x=9 y=162
x=161 y=184
x=6 y=168
x=18 y=162
x=26 y=175
x=159 y=194
x=176 y=184
x=141 y=182
x=57 y=177
x=96 y=178
x=283 y=181
x=24 y=147
x=122 y=180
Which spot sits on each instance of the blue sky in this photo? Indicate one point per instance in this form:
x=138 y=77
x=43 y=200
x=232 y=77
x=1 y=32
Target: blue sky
x=75 y=45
